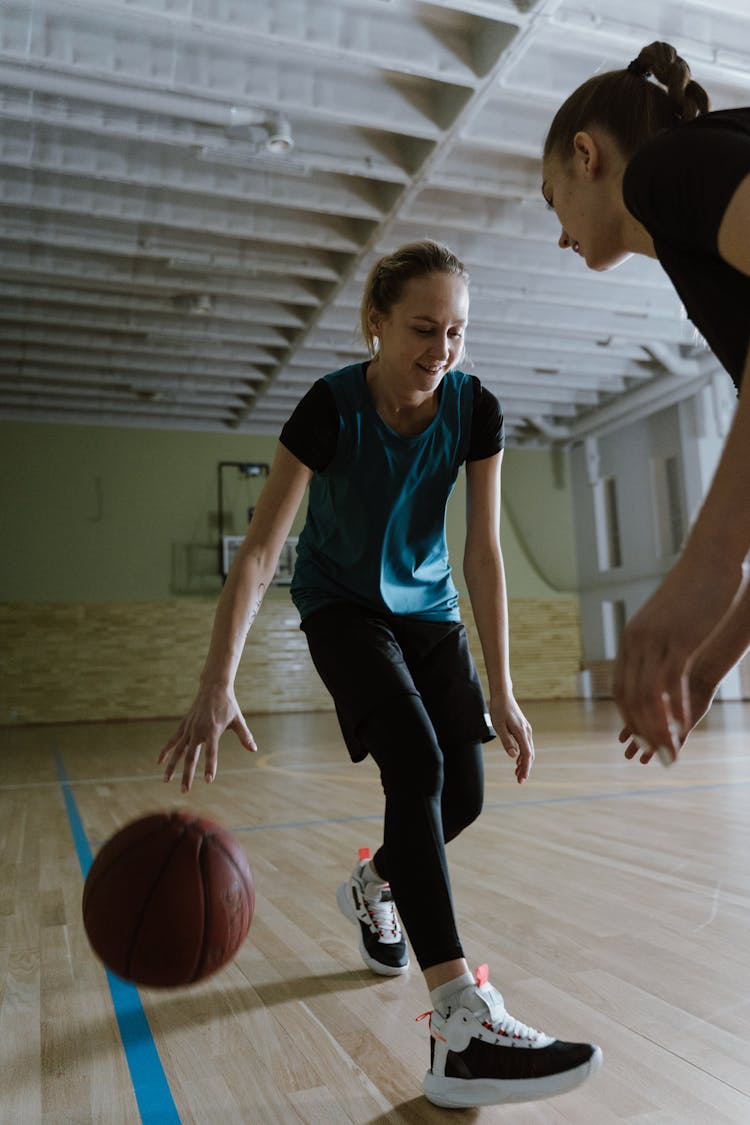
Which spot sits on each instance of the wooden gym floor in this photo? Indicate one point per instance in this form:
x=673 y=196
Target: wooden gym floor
x=611 y=901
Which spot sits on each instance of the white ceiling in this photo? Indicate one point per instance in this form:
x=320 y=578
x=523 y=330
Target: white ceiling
x=162 y=268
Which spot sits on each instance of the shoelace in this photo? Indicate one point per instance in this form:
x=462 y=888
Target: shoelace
x=508 y=1026
x=383 y=914
x=501 y=1022
x=512 y=1028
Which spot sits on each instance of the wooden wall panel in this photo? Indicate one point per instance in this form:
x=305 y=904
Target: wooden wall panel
x=545 y=647
x=134 y=660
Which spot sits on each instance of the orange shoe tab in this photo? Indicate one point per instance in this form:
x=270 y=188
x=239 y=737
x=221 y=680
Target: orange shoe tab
x=483 y=975
x=364 y=853
x=433 y=1033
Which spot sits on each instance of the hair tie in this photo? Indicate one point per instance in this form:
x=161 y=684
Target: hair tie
x=637 y=67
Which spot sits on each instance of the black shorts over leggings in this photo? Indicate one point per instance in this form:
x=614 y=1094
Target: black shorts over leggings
x=407 y=693
x=364 y=658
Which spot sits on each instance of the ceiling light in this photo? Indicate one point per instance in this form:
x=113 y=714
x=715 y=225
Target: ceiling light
x=202 y=304
x=261 y=129
x=279 y=140
x=197 y=304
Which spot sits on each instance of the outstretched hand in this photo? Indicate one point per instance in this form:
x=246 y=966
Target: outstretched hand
x=651 y=681
x=514 y=731
x=699 y=694
x=213 y=711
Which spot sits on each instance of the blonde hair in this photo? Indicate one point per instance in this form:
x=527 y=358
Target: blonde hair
x=389 y=276
x=631 y=108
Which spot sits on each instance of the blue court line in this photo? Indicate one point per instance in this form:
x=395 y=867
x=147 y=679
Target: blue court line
x=515 y=805
x=152 y=1091
x=619 y=794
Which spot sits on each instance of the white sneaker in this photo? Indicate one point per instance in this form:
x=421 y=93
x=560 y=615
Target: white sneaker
x=371 y=907
x=481 y=1055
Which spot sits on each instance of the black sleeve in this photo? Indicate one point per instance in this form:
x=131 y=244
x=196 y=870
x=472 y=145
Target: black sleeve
x=679 y=184
x=487 y=425
x=311 y=432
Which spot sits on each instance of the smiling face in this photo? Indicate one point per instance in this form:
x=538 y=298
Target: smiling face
x=421 y=338
x=586 y=195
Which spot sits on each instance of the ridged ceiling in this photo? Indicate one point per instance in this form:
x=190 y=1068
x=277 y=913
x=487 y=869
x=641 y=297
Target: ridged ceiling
x=163 y=267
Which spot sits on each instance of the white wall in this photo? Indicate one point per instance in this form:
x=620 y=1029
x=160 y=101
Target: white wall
x=693 y=431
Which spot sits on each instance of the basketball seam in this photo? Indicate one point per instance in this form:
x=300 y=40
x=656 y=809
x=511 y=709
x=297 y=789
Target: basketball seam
x=149 y=898
x=250 y=891
x=99 y=870
x=206 y=894
x=228 y=855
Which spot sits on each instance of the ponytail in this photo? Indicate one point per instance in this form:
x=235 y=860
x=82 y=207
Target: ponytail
x=628 y=105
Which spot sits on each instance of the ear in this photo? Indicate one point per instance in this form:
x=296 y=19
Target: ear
x=374 y=320
x=587 y=154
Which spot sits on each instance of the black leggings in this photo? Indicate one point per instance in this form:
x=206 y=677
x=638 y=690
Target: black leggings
x=431 y=794
x=407 y=693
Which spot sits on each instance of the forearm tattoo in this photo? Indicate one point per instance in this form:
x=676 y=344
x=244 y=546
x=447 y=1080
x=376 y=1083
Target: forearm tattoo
x=256 y=607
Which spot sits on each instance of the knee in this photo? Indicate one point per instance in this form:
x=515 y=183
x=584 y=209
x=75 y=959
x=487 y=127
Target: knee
x=401 y=739
x=463 y=794
x=458 y=815
x=471 y=810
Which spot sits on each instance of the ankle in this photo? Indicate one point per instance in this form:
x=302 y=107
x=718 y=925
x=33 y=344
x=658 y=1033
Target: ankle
x=442 y=996
x=444 y=972
x=370 y=875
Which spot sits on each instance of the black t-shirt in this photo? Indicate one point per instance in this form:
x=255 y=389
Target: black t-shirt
x=312 y=430
x=678 y=185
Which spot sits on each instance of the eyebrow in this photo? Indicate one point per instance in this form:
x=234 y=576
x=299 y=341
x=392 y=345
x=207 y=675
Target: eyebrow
x=431 y=319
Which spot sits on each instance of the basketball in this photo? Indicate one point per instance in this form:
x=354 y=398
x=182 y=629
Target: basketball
x=168 y=900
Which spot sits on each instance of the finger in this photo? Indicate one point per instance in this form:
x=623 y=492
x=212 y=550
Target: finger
x=243 y=732
x=523 y=768
x=176 y=737
x=168 y=748
x=212 y=758
x=666 y=755
x=188 y=770
x=625 y=734
x=632 y=749
x=685 y=718
x=525 y=758
x=177 y=751
x=509 y=743
x=652 y=717
x=525 y=739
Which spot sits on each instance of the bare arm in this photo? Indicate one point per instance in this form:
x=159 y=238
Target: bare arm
x=660 y=642
x=718 y=655
x=254 y=565
x=215 y=707
x=485 y=579
x=726 y=646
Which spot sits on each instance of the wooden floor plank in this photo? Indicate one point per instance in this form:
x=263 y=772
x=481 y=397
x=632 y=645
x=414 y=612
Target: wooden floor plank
x=612 y=903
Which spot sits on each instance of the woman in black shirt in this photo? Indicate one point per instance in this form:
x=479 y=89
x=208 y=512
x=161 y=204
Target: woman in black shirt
x=635 y=166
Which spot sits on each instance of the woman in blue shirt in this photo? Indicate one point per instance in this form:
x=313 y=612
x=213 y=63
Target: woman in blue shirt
x=379 y=445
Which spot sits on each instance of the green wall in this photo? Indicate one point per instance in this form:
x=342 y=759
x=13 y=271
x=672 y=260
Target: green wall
x=119 y=514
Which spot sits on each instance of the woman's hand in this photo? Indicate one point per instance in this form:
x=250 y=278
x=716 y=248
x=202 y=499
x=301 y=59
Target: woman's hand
x=514 y=731
x=651 y=680
x=214 y=710
x=700 y=693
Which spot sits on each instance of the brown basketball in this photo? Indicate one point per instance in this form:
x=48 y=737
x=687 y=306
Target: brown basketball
x=168 y=900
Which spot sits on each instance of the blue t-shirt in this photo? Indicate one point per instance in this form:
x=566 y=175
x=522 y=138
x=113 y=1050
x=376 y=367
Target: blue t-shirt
x=375 y=528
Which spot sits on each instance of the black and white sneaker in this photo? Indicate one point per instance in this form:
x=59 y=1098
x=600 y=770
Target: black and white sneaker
x=371 y=907
x=481 y=1055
